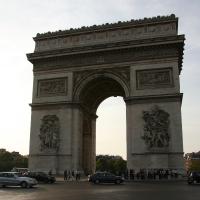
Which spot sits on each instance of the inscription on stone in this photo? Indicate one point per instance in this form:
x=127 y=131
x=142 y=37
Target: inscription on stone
x=154 y=78
x=52 y=87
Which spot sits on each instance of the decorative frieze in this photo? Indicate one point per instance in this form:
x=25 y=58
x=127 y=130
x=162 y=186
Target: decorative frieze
x=154 y=78
x=105 y=36
x=107 y=57
x=52 y=87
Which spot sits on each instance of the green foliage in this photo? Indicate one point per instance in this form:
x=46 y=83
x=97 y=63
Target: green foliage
x=8 y=160
x=113 y=164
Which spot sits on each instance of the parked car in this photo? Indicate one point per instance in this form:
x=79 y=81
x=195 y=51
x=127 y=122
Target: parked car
x=20 y=170
x=194 y=177
x=16 y=179
x=105 y=177
x=41 y=177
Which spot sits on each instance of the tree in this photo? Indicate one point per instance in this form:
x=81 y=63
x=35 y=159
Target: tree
x=8 y=160
x=113 y=164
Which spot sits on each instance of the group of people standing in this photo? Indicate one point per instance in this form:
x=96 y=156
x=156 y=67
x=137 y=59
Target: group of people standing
x=151 y=174
x=72 y=175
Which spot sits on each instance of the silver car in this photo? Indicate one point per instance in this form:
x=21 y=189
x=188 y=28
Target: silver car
x=16 y=179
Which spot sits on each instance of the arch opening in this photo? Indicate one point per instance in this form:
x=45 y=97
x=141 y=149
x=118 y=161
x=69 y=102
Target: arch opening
x=99 y=89
x=91 y=96
x=111 y=126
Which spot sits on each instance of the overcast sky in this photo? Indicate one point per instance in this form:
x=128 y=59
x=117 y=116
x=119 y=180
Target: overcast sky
x=20 y=20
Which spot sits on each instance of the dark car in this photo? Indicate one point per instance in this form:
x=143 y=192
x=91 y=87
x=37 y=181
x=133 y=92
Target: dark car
x=105 y=177
x=42 y=177
x=194 y=177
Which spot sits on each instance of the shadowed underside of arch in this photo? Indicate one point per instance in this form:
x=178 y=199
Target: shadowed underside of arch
x=97 y=90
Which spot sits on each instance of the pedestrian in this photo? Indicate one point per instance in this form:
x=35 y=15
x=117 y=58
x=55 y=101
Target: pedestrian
x=73 y=174
x=68 y=175
x=78 y=175
x=50 y=172
x=65 y=174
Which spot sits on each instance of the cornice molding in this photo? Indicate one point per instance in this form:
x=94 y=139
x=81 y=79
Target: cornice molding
x=178 y=39
x=54 y=105
x=62 y=104
x=102 y=58
x=154 y=98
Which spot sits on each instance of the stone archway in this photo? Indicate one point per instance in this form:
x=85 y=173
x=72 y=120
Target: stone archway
x=93 y=90
x=75 y=70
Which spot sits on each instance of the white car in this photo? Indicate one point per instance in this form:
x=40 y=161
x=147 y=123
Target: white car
x=16 y=179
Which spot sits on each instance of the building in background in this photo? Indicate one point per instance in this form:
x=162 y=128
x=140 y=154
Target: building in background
x=192 y=161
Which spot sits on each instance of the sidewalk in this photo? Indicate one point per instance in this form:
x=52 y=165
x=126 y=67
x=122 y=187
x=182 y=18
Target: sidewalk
x=61 y=179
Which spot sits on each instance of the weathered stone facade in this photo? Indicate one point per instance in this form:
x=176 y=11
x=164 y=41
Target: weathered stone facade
x=75 y=70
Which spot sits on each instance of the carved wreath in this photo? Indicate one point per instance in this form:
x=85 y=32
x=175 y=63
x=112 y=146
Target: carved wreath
x=156 y=133
x=49 y=132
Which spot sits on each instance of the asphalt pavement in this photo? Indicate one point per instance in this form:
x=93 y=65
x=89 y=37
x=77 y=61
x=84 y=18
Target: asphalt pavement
x=83 y=190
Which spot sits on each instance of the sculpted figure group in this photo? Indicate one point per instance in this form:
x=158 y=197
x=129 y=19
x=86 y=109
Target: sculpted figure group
x=156 y=127
x=49 y=132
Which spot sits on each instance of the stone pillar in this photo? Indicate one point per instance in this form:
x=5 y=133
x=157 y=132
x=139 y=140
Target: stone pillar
x=139 y=155
x=93 y=149
x=154 y=85
x=77 y=139
x=46 y=159
x=66 y=137
x=129 y=135
x=89 y=144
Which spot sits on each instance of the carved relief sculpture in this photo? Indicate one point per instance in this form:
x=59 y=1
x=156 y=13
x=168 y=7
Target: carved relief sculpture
x=123 y=73
x=155 y=78
x=52 y=87
x=156 y=133
x=49 y=132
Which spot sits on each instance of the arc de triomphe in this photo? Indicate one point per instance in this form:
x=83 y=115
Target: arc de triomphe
x=75 y=70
